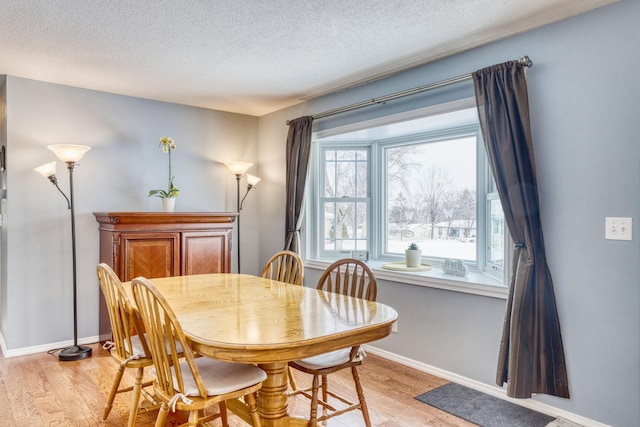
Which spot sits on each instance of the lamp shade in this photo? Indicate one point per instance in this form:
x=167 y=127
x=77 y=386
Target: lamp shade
x=47 y=170
x=238 y=168
x=69 y=153
x=252 y=180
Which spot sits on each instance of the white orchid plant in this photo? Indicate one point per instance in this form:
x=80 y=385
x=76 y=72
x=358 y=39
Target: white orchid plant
x=167 y=145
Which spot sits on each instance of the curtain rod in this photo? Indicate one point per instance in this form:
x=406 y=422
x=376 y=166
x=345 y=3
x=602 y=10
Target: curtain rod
x=381 y=100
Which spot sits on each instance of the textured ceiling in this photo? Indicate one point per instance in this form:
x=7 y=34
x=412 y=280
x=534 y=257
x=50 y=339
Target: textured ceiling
x=249 y=56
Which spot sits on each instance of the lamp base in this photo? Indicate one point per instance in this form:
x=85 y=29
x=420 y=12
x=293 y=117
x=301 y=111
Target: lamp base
x=76 y=352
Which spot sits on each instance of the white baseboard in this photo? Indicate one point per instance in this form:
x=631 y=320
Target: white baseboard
x=42 y=348
x=485 y=388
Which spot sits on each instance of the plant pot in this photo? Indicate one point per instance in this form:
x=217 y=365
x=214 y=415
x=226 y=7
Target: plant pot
x=413 y=257
x=168 y=204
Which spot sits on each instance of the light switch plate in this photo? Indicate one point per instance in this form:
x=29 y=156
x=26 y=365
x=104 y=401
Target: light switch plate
x=618 y=228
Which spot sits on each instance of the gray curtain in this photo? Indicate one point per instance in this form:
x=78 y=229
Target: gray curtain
x=531 y=356
x=298 y=150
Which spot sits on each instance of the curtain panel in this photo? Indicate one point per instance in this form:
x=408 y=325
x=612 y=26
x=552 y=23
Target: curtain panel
x=531 y=357
x=297 y=166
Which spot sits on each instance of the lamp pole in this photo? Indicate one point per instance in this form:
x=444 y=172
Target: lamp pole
x=238 y=169
x=238 y=176
x=76 y=352
x=69 y=351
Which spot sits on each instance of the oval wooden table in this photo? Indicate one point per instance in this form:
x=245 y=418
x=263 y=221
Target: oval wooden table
x=248 y=319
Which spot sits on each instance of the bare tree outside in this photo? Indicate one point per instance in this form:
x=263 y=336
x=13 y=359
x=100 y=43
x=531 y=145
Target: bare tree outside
x=432 y=194
x=399 y=160
x=399 y=217
x=465 y=209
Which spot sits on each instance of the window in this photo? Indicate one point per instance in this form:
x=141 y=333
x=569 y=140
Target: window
x=344 y=200
x=425 y=180
x=430 y=195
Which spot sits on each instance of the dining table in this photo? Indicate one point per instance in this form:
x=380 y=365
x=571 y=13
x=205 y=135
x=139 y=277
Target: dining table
x=248 y=319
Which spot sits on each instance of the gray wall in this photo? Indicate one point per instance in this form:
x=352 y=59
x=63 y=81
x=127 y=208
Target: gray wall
x=3 y=242
x=124 y=163
x=584 y=94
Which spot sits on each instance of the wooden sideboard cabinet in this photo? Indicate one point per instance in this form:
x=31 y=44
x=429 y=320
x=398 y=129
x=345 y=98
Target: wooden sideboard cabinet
x=162 y=244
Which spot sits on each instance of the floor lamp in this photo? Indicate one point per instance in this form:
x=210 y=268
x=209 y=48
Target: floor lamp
x=71 y=155
x=239 y=169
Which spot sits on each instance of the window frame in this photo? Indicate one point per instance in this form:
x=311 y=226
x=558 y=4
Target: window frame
x=453 y=133
x=321 y=199
x=484 y=274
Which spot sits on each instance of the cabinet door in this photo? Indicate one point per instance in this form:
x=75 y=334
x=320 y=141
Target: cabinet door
x=205 y=252
x=151 y=255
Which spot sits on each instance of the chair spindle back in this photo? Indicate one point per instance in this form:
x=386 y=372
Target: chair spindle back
x=285 y=266
x=350 y=277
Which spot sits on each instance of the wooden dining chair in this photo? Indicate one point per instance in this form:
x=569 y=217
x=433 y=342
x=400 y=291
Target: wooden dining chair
x=190 y=384
x=347 y=277
x=128 y=348
x=285 y=266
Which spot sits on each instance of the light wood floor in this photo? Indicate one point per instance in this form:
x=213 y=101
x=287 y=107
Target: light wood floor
x=38 y=390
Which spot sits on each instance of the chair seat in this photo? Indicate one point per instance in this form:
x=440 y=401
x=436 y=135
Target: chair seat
x=138 y=348
x=326 y=360
x=220 y=377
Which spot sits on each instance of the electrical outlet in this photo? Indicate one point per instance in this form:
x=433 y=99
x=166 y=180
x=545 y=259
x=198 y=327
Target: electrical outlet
x=618 y=228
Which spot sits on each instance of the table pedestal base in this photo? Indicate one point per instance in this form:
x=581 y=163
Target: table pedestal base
x=272 y=400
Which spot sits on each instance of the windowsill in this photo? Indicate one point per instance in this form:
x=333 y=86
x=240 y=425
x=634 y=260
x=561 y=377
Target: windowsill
x=474 y=283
